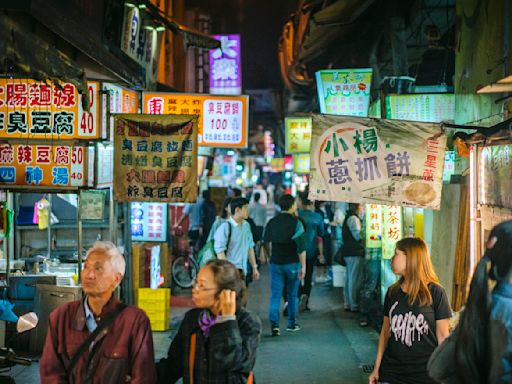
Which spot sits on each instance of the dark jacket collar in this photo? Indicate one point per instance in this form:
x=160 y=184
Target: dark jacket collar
x=80 y=313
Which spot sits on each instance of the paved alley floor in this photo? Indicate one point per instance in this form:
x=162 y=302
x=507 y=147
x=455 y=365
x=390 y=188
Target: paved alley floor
x=330 y=348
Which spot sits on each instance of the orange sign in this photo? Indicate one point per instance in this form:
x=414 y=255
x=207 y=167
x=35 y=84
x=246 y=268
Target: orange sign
x=223 y=120
x=59 y=166
x=32 y=109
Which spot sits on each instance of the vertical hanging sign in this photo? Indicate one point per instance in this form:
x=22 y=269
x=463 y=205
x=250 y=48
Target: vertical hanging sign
x=226 y=67
x=392 y=229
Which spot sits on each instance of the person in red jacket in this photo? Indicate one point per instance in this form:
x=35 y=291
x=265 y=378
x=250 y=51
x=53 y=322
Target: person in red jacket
x=121 y=353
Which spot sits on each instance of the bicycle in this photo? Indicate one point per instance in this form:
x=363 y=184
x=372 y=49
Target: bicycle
x=184 y=269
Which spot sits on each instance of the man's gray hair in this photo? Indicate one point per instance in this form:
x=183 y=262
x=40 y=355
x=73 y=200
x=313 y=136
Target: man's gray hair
x=109 y=249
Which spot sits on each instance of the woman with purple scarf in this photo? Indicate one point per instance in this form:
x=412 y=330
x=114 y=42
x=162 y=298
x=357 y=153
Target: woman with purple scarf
x=217 y=341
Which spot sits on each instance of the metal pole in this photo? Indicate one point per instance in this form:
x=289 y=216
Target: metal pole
x=112 y=219
x=49 y=228
x=79 y=238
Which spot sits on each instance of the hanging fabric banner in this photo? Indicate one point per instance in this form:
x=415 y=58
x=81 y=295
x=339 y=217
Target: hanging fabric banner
x=155 y=158
x=365 y=160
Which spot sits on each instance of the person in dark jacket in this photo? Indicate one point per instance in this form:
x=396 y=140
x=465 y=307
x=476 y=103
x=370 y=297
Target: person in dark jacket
x=353 y=253
x=226 y=334
x=480 y=348
x=121 y=353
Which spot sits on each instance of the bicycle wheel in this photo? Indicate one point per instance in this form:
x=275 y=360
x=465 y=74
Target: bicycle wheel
x=184 y=271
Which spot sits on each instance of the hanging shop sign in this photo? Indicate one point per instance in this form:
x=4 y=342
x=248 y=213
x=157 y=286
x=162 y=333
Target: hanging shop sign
x=298 y=134
x=429 y=107
x=156 y=158
x=496 y=176
x=149 y=221
x=92 y=205
x=59 y=166
x=344 y=91
x=377 y=161
x=391 y=229
x=141 y=41
x=223 y=120
x=449 y=165
x=122 y=100
x=226 y=67
x=373 y=226
x=301 y=163
x=32 y=109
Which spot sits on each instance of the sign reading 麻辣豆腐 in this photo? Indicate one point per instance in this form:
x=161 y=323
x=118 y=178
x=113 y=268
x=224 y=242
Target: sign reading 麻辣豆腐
x=225 y=66
x=223 y=120
x=298 y=134
x=365 y=160
x=149 y=221
x=344 y=91
x=43 y=165
x=155 y=158
x=32 y=109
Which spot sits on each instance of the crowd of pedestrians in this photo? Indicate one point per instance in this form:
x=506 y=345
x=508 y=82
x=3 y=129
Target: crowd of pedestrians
x=218 y=340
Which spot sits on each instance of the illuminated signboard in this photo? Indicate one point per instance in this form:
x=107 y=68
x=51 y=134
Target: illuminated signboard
x=429 y=107
x=223 y=120
x=298 y=134
x=59 y=166
x=149 y=221
x=344 y=91
x=391 y=230
x=301 y=162
x=32 y=109
x=373 y=226
x=225 y=66
x=122 y=100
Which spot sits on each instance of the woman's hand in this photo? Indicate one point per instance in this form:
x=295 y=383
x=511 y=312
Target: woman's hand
x=374 y=377
x=226 y=303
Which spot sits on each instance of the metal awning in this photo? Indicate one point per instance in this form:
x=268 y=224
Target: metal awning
x=193 y=37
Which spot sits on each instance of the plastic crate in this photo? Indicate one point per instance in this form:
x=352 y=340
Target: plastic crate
x=157 y=305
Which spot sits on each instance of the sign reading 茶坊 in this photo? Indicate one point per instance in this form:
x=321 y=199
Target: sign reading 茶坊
x=365 y=160
x=155 y=158
x=223 y=120
x=32 y=109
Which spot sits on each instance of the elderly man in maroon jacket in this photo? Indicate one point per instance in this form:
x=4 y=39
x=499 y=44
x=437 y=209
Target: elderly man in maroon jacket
x=121 y=353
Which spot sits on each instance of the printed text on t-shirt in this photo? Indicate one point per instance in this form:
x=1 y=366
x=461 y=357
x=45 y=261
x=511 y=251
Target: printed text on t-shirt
x=407 y=328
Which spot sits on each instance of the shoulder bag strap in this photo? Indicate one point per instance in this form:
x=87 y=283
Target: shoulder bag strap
x=229 y=237
x=191 y=357
x=107 y=320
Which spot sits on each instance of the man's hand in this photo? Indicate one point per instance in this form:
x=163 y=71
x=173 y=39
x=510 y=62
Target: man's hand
x=255 y=273
x=321 y=259
x=302 y=272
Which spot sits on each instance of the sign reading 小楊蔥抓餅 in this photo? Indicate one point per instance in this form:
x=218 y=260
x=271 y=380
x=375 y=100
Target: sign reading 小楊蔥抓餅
x=225 y=66
x=44 y=165
x=223 y=120
x=31 y=109
x=344 y=91
x=365 y=160
x=155 y=158
x=298 y=134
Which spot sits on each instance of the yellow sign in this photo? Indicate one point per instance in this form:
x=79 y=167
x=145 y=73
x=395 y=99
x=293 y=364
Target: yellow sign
x=223 y=120
x=155 y=158
x=298 y=134
x=32 y=109
x=373 y=226
x=301 y=162
x=59 y=166
x=392 y=229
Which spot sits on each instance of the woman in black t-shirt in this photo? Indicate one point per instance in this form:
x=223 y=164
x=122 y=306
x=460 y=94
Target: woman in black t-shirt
x=416 y=318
